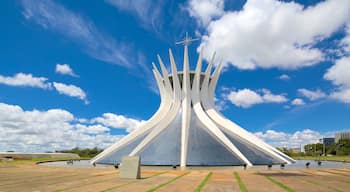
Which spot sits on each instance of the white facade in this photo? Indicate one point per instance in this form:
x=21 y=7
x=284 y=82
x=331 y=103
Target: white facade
x=341 y=135
x=187 y=130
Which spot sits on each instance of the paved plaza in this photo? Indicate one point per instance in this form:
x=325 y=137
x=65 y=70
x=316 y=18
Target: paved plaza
x=36 y=178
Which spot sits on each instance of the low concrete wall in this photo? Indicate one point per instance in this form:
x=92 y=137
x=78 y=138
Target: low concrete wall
x=18 y=155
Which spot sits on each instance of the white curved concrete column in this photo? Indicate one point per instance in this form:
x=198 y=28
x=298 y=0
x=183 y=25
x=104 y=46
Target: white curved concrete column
x=229 y=126
x=210 y=125
x=165 y=74
x=186 y=108
x=163 y=109
x=169 y=116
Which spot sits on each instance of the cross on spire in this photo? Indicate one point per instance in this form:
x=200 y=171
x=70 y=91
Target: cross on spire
x=186 y=41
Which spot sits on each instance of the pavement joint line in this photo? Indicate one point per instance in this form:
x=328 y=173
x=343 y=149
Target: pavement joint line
x=82 y=177
x=306 y=172
x=320 y=184
x=343 y=171
x=167 y=182
x=26 y=177
x=335 y=173
x=122 y=185
x=26 y=181
x=154 y=175
x=241 y=185
x=280 y=184
x=204 y=181
x=327 y=176
x=118 y=186
x=83 y=184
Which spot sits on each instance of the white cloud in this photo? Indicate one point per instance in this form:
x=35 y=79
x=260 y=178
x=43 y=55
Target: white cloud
x=339 y=74
x=53 y=129
x=53 y=16
x=25 y=80
x=271 y=33
x=282 y=139
x=345 y=42
x=28 y=80
x=298 y=101
x=65 y=69
x=205 y=10
x=246 y=98
x=284 y=77
x=118 y=121
x=71 y=90
x=92 y=129
x=312 y=95
x=272 y=135
x=268 y=97
x=342 y=95
x=148 y=12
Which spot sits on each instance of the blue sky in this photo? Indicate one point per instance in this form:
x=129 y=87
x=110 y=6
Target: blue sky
x=78 y=73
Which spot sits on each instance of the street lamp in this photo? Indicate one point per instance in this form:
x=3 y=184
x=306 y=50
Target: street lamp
x=337 y=148
x=324 y=146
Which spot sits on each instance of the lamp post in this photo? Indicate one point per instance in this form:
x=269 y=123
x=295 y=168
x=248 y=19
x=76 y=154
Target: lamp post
x=337 y=148
x=315 y=149
x=324 y=146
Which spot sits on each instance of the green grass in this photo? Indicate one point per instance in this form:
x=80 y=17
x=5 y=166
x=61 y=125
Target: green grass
x=325 y=158
x=242 y=187
x=156 y=174
x=280 y=184
x=122 y=185
x=167 y=182
x=202 y=184
x=37 y=160
x=118 y=186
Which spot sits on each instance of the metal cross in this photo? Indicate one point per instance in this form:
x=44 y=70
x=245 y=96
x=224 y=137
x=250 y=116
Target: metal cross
x=186 y=41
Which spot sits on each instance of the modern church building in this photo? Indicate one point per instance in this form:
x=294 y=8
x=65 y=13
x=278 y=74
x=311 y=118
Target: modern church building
x=187 y=130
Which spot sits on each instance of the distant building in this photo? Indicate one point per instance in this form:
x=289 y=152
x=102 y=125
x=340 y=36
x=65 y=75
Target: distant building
x=327 y=141
x=342 y=135
x=295 y=150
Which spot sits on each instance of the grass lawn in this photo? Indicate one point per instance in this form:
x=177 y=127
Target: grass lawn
x=325 y=158
x=36 y=160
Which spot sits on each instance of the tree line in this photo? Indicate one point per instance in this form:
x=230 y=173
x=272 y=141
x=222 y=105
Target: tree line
x=342 y=147
x=85 y=153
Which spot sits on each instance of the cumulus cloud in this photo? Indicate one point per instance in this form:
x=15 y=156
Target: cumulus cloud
x=205 y=10
x=282 y=139
x=71 y=90
x=65 y=69
x=312 y=95
x=118 y=121
x=92 y=129
x=298 y=101
x=245 y=98
x=28 y=80
x=25 y=80
x=345 y=42
x=49 y=130
x=342 y=95
x=271 y=33
x=284 y=77
x=339 y=74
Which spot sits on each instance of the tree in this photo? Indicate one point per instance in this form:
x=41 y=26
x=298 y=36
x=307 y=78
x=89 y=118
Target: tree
x=83 y=152
x=313 y=149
